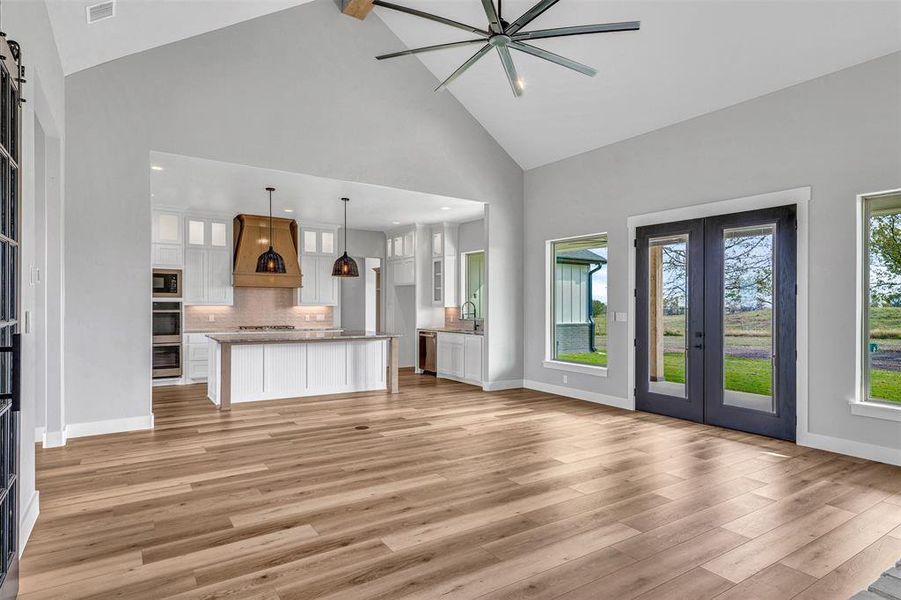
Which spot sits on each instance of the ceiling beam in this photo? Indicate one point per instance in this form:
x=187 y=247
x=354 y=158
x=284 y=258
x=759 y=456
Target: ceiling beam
x=355 y=8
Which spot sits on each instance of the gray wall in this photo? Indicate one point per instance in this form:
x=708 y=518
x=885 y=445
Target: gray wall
x=360 y=244
x=43 y=123
x=471 y=236
x=839 y=134
x=296 y=91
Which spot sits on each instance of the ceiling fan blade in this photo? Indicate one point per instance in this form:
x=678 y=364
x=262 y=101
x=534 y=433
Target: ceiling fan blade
x=494 y=21
x=472 y=60
x=510 y=68
x=554 y=58
x=529 y=16
x=429 y=48
x=430 y=17
x=577 y=30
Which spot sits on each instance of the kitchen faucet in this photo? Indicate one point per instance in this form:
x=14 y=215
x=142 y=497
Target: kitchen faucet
x=463 y=309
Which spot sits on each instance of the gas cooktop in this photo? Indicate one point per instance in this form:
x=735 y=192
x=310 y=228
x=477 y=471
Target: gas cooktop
x=266 y=327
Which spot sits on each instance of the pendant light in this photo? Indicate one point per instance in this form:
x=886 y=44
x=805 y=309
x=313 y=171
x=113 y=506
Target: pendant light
x=270 y=261
x=345 y=266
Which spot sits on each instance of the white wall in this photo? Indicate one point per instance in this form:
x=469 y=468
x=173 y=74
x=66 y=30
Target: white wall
x=28 y=24
x=472 y=236
x=838 y=134
x=297 y=91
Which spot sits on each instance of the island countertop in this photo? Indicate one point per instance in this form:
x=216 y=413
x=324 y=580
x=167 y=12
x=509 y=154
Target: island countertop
x=295 y=337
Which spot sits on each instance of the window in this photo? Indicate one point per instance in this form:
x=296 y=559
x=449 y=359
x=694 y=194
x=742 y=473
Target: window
x=881 y=314
x=474 y=280
x=579 y=300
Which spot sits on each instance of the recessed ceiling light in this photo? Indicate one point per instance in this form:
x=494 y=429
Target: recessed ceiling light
x=289 y=210
x=395 y=222
x=156 y=167
x=445 y=208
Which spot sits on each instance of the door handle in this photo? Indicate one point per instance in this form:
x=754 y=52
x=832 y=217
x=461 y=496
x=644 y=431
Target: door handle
x=698 y=346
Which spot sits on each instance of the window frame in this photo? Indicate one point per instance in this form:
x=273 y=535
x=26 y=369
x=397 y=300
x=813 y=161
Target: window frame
x=550 y=315
x=862 y=404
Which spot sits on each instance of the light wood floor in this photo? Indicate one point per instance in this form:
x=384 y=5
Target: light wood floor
x=451 y=493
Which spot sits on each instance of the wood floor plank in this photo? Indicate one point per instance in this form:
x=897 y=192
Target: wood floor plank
x=451 y=492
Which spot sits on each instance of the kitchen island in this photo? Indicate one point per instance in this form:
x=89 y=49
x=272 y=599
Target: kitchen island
x=247 y=367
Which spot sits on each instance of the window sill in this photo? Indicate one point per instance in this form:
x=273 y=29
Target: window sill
x=575 y=368
x=877 y=410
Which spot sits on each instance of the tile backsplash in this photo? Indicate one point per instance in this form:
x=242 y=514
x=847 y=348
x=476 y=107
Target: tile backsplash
x=258 y=306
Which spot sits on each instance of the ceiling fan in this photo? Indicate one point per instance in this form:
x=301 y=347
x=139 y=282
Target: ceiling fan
x=503 y=36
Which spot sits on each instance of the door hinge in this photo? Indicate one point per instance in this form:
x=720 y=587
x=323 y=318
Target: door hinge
x=635 y=292
x=634 y=342
x=634 y=391
x=635 y=243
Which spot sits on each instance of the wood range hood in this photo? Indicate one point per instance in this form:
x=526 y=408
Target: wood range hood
x=252 y=239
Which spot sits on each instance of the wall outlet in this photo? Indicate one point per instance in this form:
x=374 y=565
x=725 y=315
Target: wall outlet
x=621 y=317
x=212 y=318
x=566 y=379
x=320 y=317
x=307 y=317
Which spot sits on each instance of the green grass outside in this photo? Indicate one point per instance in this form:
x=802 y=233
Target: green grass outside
x=596 y=359
x=885 y=385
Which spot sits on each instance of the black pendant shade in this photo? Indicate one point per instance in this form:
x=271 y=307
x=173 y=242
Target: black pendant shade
x=345 y=266
x=270 y=261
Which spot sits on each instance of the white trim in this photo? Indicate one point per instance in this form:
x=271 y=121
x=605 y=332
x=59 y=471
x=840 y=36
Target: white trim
x=801 y=198
x=862 y=405
x=876 y=410
x=54 y=439
x=28 y=519
x=39 y=433
x=76 y=430
x=508 y=384
x=882 y=454
x=575 y=367
x=578 y=394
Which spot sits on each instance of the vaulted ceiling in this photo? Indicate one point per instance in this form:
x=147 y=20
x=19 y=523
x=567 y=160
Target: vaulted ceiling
x=690 y=57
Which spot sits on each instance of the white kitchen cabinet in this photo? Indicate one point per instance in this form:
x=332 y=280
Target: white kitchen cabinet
x=167 y=256
x=167 y=245
x=208 y=262
x=319 y=287
x=410 y=244
x=196 y=348
x=460 y=357
x=401 y=245
x=319 y=240
x=403 y=272
x=437 y=242
x=450 y=355
x=438 y=281
x=472 y=358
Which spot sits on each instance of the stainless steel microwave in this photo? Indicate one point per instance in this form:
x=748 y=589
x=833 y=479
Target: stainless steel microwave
x=167 y=283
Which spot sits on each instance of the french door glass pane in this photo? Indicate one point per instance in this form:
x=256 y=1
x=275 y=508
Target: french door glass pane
x=884 y=295
x=668 y=315
x=748 y=350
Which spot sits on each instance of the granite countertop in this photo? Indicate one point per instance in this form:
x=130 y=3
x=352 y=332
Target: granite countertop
x=286 y=337
x=452 y=330
x=223 y=330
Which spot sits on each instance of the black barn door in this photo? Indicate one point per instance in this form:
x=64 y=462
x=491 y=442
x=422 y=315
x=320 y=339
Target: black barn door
x=11 y=75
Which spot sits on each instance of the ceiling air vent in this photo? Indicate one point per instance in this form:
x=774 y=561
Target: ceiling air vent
x=101 y=11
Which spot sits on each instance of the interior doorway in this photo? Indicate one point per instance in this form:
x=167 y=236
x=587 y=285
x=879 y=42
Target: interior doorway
x=715 y=324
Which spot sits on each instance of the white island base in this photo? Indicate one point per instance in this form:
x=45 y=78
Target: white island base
x=249 y=371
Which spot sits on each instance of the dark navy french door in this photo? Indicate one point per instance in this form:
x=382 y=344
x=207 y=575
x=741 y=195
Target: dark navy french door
x=716 y=320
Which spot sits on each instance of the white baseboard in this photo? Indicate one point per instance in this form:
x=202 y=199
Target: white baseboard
x=578 y=394
x=496 y=386
x=39 y=433
x=53 y=439
x=882 y=454
x=75 y=430
x=28 y=519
